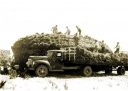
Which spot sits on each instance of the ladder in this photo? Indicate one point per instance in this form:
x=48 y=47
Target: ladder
x=70 y=51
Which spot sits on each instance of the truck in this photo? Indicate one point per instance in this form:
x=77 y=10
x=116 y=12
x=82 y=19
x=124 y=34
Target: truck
x=65 y=59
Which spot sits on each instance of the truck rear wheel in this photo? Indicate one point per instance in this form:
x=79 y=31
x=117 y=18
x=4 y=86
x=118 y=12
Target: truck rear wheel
x=41 y=71
x=121 y=71
x=87 y=71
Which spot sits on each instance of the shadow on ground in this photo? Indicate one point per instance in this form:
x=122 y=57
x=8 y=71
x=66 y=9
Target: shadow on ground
x=75 y=74
x=72 y=74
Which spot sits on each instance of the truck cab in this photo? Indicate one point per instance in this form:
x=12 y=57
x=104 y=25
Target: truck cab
x=43 y=64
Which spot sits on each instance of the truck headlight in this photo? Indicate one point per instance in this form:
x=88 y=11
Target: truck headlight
x=33 y=63
x=2 y=68
x=29 y=63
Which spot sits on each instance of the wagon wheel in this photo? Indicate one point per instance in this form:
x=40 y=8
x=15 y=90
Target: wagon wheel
x=87 y=71
x=121 y=71
x=41 y=71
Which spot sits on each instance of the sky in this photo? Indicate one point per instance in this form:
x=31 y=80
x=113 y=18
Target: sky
x=100 y=19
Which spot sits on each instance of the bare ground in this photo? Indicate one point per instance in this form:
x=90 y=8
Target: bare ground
x=60 y=81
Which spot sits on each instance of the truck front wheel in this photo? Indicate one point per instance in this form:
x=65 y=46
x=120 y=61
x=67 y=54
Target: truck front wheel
x=41 y=71
x=87 y=71
x=121 y=71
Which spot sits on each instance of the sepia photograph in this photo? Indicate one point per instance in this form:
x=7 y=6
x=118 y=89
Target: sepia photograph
x=75 y=45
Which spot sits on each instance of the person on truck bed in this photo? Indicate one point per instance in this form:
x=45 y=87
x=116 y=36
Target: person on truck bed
x=96 y=46
x=79 y=30
x=76 y=39
x=68 y=31
x=117 y=48
x=54 y=29
x=102 y=47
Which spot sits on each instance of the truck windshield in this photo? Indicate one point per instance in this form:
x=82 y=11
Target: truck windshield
x=49 y=53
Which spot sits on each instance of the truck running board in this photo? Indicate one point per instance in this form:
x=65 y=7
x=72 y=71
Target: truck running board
x=57 y=70
x=70 y=68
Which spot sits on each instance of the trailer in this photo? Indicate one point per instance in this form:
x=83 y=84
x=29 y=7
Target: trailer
x=67 y=59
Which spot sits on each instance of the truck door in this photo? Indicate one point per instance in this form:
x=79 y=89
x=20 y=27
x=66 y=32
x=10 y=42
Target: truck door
x=57 y=63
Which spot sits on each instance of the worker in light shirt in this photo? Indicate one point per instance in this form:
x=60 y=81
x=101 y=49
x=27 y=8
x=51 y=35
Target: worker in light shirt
x=117 y=48
x=54 y=29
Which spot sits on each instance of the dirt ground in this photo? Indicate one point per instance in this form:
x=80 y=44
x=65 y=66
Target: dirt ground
x=59 y=81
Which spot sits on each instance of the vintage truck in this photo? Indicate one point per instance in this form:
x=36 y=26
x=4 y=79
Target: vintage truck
x=65 y=59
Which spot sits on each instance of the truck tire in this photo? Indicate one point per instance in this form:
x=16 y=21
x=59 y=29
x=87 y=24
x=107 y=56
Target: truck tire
x=87 y=71
x=121 y=71
x=41 y=71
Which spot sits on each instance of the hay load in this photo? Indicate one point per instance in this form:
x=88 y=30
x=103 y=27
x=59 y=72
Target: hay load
x=39 y=44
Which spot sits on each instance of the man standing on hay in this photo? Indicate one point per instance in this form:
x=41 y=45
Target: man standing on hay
x=96 y=46
x=54 y=29
x=79 y=30
x=76 y=39
x=68 y=34
x=102 y=47
x=117 y=48
x=68 y=31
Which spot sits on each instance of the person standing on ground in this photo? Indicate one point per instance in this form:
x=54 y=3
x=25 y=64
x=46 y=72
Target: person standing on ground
x=102 y=47
x=117 y=48
x=79 y=30
x=54 y=29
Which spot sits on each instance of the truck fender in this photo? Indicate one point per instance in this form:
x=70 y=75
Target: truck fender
x=45 y=62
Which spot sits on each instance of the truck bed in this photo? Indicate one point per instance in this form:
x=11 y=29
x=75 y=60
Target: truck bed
x=93 y=61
